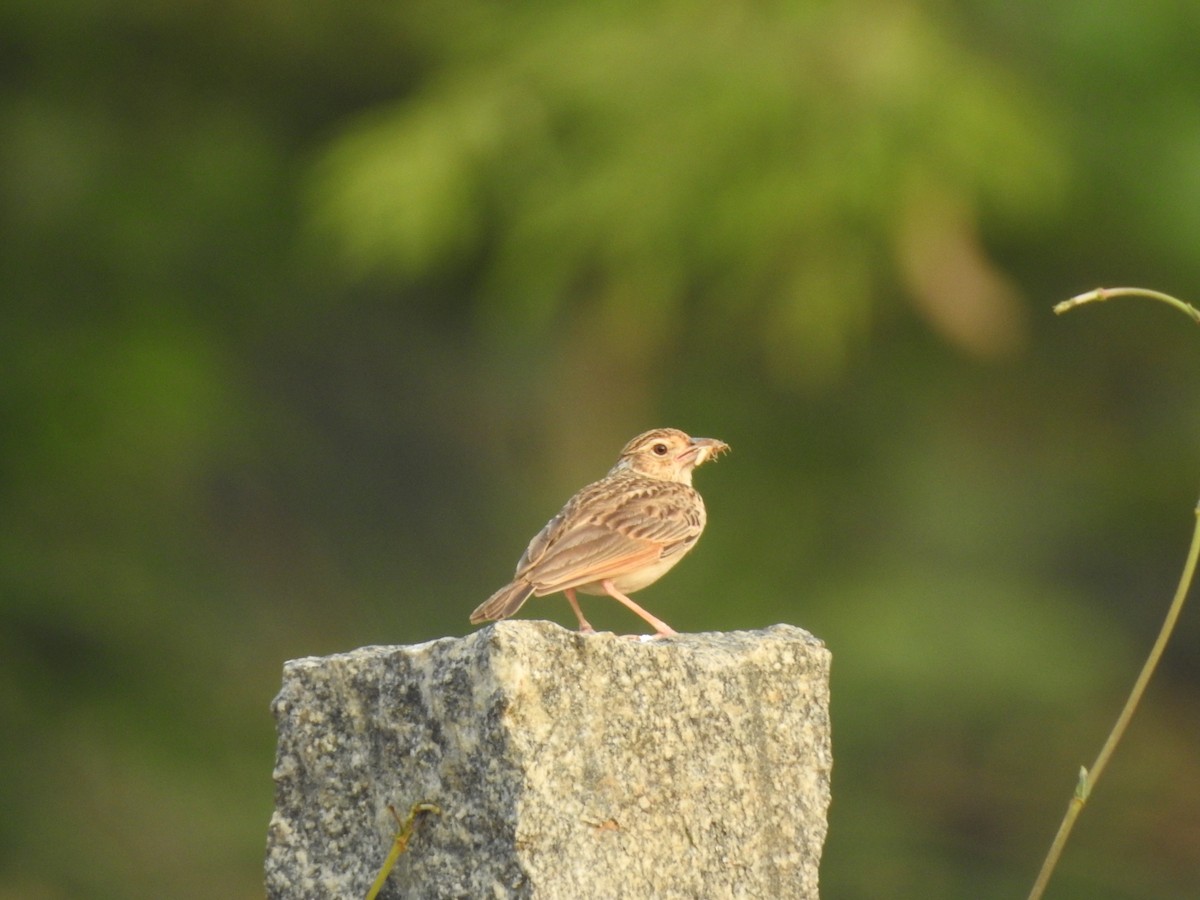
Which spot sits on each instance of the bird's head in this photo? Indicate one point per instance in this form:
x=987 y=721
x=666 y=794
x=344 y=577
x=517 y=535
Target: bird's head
x=667 y=454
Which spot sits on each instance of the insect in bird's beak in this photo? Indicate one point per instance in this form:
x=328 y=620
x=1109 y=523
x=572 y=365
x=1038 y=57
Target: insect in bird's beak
x=704 y=449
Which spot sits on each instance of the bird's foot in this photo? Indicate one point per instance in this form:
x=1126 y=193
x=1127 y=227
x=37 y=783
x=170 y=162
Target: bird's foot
x=647 y=638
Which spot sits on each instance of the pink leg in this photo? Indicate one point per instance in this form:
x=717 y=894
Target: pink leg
x=660 y=627
x=584 y=625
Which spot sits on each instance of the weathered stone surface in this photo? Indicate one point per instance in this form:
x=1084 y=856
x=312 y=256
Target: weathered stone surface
x=565 y=765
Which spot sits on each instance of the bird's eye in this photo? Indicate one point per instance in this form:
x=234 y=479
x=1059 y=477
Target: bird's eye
x=660 y=449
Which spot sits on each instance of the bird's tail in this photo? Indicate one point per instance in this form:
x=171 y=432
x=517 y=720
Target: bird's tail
x=503 y=603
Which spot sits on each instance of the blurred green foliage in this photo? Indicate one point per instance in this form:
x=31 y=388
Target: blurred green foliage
x=315 y=314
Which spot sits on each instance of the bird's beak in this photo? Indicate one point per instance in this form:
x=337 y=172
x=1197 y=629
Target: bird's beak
x=701 y=449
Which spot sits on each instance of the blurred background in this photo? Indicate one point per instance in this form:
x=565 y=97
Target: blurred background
x=315 y=313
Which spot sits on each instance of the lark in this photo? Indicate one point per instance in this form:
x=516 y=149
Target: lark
x=619 y=534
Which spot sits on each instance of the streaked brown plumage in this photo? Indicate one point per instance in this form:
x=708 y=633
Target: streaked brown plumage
x=618 y=534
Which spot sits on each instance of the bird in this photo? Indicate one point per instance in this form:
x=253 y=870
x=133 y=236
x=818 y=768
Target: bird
x=619 y=534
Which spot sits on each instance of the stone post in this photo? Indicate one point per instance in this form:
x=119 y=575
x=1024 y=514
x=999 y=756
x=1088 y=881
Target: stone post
x=564 y=765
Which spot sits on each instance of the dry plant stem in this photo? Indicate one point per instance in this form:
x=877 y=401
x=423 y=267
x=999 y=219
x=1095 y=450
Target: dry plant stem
x=400 y=844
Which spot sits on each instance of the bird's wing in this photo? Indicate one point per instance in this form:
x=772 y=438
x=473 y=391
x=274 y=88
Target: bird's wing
x=588 y=555
x=609 y=529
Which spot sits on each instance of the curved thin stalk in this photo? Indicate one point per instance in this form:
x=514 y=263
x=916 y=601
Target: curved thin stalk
x=1088 y=779
x=1107 y=293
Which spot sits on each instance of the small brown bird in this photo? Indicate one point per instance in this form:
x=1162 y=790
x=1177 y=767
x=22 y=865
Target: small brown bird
x=618 y=534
